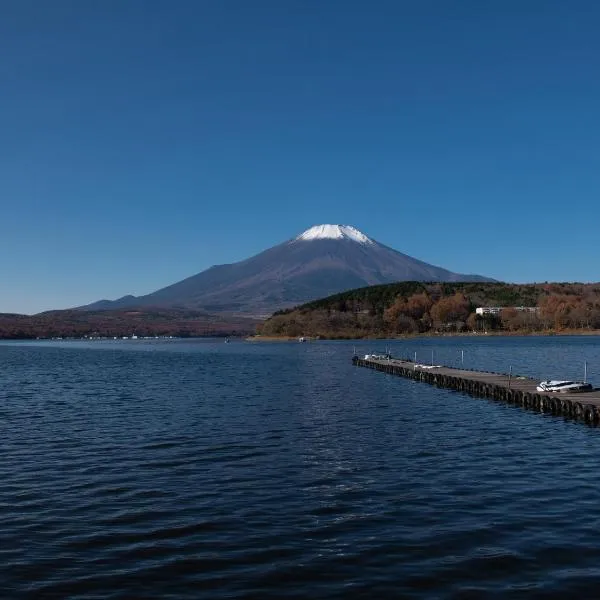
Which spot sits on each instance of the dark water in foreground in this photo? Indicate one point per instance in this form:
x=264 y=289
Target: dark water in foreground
x=174 y=469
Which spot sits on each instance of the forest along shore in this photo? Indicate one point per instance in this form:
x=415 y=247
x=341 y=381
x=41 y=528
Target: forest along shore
x=416 y=308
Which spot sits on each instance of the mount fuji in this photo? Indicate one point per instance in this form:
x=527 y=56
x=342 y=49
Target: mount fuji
x=323 y=260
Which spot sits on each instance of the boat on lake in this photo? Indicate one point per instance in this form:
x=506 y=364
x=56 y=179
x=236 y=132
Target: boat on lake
x=564 y=386
x=385 y=356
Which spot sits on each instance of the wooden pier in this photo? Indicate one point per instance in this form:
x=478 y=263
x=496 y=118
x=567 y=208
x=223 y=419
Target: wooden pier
x=514 y=389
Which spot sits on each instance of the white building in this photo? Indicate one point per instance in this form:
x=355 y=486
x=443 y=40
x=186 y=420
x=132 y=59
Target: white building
x=488 y=310
x=495 y=310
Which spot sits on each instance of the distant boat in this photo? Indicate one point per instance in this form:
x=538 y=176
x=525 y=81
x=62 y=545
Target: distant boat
x=564 y=386
x=227 y=340
x=301 y=339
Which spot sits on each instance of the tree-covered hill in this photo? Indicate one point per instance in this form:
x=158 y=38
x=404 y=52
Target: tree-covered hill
x=412 y=307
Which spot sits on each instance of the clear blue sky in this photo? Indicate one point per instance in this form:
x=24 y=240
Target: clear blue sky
x=143 y=141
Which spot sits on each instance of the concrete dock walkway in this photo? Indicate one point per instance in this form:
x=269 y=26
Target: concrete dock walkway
x=514 y=389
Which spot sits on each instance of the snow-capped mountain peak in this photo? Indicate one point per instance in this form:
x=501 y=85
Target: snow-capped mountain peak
x=334 y=232
x=296 y=271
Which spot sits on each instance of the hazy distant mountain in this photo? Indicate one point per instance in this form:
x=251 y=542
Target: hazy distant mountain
x=323 y=260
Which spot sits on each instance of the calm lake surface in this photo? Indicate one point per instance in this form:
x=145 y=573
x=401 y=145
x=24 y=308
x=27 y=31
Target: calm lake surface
x=198 y=469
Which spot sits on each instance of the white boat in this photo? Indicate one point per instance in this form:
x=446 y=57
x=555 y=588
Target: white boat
x=565 y=387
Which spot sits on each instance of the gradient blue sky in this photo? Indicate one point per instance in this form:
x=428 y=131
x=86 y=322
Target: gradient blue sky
x=143 y=141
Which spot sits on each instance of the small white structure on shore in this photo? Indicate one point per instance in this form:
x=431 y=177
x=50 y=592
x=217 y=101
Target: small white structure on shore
x=496 y=310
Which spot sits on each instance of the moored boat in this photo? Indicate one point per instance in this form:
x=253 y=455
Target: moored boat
x=385 y=356
x=564 y=386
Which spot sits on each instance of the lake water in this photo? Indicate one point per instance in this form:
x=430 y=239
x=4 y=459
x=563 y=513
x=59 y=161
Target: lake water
x=198 y=469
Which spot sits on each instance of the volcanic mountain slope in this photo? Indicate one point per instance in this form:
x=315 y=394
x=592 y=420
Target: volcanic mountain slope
x=323 y=260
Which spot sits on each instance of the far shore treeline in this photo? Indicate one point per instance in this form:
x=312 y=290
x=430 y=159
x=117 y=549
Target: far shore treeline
x=404 y=308
x=407 y=308
x=117 y=323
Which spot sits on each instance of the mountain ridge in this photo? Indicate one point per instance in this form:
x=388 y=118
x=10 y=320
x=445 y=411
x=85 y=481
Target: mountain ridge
x=323 y=260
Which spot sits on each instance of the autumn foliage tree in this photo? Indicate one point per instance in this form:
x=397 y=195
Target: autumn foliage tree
x=418 y=305
x=409 y=315
x=558 y=310
x=451 y=311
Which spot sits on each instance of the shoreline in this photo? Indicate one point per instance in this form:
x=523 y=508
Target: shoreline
x=549 y=333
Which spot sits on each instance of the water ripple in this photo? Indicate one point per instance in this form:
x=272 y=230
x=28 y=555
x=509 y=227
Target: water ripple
x=197 y=469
